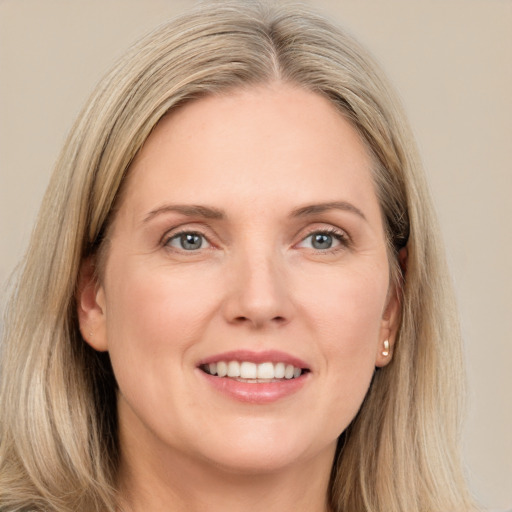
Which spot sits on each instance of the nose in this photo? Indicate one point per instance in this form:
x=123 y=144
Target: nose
x=258 y=295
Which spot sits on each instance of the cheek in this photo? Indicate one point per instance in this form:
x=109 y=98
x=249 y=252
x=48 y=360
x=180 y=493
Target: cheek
x=346 y=316
x=347 y=308
x=154 y=315
x=155 y=318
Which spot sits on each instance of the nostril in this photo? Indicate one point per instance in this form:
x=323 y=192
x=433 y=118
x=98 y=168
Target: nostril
x=244 y=319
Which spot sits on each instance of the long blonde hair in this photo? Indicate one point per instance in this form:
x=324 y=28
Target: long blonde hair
x=58 y=448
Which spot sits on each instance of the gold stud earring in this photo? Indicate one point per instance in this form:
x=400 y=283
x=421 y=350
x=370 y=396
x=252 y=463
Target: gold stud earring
x=385 y=352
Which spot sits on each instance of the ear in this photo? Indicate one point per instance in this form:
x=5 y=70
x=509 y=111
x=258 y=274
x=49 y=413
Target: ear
x=91 y=307
x=391 y=317
x=388 y=331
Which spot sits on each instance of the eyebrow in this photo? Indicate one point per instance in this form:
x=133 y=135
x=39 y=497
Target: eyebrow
x=209 y=212
x=189 y=210
x=324 y=207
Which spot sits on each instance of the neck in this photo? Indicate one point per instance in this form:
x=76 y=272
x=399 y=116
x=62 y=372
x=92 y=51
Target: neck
x=179 y=484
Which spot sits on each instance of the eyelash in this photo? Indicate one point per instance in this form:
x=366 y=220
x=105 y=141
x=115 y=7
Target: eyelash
x=176 y=236
x=340 y=236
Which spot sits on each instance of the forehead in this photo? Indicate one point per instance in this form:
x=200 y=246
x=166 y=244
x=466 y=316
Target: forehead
x=278 y=143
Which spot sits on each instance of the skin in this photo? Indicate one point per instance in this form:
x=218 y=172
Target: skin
x=258 y=283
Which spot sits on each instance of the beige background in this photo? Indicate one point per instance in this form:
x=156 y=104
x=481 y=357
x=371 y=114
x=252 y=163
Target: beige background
x=452 y=63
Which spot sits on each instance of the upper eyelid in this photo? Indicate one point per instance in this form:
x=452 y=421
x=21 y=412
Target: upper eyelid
x=184 y=232
x=330 y=229
x=323 y=228
x=184 y=228
x=200 y=229
x=166 y=242
x=179 y=234
x=341 y=236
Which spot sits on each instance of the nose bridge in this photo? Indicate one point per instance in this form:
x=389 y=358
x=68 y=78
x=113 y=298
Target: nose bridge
x=258 y=292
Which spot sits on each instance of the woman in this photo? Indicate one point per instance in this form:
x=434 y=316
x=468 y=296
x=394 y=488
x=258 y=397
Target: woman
x=235 y=295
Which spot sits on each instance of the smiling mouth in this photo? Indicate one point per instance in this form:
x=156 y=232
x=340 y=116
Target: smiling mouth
x=247 y=371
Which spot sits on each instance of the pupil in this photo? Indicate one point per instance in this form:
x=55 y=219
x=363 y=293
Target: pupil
x=190 y=241
x=322 y=241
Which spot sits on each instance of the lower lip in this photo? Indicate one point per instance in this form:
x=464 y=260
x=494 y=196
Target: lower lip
x=257 y=392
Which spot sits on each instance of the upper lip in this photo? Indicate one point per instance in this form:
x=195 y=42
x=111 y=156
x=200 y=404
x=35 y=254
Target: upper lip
x=266 y=356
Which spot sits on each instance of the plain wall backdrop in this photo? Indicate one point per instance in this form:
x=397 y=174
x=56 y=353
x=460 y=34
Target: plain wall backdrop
x=451 y=61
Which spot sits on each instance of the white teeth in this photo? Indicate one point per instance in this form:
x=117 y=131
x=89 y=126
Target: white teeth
x=248 y=370
x=252 y=371
x=279 y=370
x=233 y=369
x=222 y=369
x=266 y=371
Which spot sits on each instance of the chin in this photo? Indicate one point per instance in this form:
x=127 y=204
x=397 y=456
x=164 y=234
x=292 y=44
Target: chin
x=261 y=450
x=256 y=461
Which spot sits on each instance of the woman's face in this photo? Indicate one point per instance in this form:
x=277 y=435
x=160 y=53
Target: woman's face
x=248 y=235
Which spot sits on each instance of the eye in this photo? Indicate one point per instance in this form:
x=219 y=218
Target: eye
x=324 y=240
x=188 y=241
